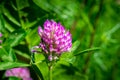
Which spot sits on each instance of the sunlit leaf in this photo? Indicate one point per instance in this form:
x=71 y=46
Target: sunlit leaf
x=15 y=38
x=33 y=38
x=12 y=55
x=67 y=57
x=9 y=27
x=22 y=54
x=14 y=78
x=8 y=65
x=75 y=45
x=86 y=51
x=7 y=54
x=31 y=24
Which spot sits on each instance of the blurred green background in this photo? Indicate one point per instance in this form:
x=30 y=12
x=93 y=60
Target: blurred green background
x=92 y=23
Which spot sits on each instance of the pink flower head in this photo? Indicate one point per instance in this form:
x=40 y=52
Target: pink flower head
x=22 y=73
x=0 y=40
x=54 y=38
x=0 y=34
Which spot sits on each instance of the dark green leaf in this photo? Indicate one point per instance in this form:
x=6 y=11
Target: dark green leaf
x=40 y=65
x=10 y=17
x=37 y=71
x=43 y=4
x=43 y=67
x=21 y=4
x=2 y=24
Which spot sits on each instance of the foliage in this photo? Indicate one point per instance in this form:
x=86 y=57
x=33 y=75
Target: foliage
x=95 y=29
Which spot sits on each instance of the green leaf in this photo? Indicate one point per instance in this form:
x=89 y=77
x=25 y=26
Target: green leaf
x=7 y=54
x=8 y=65
x=1 y=22
x=22 y=54
x=33 y=37
x=12 y=55
x=4 y=55
x=31 y=24
x=9 y=27
x=40 y=66
x=39 y=57
x=15 y=38
x=14 y=7
x=39 y=74
x=10 y=17
x=14 y=78
x=67 y=57
x=86 y=51
x=43 y=67
x=75 y=45
x=21 y=4
x=43 y=4
x=34 y=66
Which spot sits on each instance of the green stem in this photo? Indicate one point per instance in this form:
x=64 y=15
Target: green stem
x=50 y=70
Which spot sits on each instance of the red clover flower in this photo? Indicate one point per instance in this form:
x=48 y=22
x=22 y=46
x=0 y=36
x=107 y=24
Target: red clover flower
x=22 y=73
x=0 y=34
x=0 y=37
x=54 y=39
